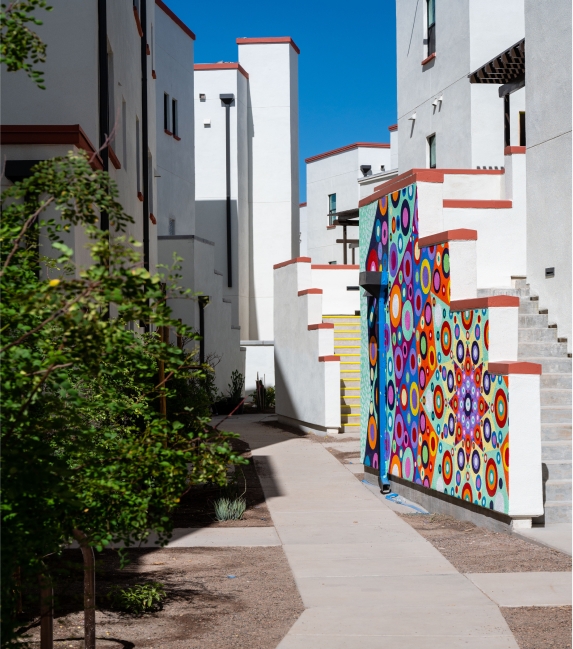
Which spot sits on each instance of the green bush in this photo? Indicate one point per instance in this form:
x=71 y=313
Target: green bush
x=227 y=509
x=138 y=599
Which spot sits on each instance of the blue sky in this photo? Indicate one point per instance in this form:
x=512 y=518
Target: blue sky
x=347 y=63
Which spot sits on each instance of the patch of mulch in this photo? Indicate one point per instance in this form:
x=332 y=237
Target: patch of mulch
x=196 y=508
x=474 y=549
x=540 y=627
x=205 y=608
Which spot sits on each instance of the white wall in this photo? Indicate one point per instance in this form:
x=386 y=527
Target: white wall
x=548 y=126
x=259 y=361
x=468 y=123
x=336 y=174
x=303 y=246
x=210 y=153
x=273 y=104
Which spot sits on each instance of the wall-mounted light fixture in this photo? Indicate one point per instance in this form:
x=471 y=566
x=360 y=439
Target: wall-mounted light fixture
x=550 y=272
x=207 y=123
x=412 y=117
x=365 y=169
x=202 y=96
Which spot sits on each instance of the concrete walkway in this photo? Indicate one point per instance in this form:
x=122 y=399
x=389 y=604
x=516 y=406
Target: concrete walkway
x=367 y=579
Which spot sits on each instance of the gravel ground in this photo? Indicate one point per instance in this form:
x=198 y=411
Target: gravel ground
x=474 y=549
x=536 y=627
x=197 y=506
x=205 y=608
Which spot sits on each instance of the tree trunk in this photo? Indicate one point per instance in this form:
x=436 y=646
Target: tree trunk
x=46 y=613
x=89 y=589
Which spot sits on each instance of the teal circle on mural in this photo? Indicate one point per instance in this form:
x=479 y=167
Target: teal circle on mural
x=400 y=243
x=407 y=320
x=408 y=464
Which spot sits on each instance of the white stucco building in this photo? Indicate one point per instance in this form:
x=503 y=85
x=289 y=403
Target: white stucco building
x=223 y=200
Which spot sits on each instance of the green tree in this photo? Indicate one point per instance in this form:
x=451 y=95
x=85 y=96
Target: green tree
x=20 y=47
x=85 y=447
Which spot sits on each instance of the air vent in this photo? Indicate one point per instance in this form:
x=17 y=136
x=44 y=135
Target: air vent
x=549 y=272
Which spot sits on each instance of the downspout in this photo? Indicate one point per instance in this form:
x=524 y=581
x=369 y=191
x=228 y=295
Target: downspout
x=144 y=135
x=227 y=101
x=103 y=94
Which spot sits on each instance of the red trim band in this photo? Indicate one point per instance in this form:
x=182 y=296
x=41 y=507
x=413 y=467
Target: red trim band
x=302 y=204
x=310 y=291
x=50 y=134
x=328 y=359
x=175 y=18
x=270 y=39
x=114 y=159
x=461 y=234
x=514 y=367
x=137 y=21
x=429 y=58
x=348 y=147
x=335 y=267
x=296 y=260
x=322 y=325
x=152 y=218
x=140 y=196
x=394 y=127
x=484 y=302
x=476 y=205
x=176 y=137
x=222 y=66
x=331 y=227
x=154 y=74
x=510 y=150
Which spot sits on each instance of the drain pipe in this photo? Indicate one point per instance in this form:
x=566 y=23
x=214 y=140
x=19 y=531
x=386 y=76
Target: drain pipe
x=103 y=97
x=227 y=101
x=144 y=135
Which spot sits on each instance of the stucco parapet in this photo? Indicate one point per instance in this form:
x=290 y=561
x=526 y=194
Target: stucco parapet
x=269 y=40
x=296 y=260
x=310 y=291
x=175 y=18
x=477 y=204
x=335 y=267
x=348 y=147
x=221 y=66
x=460 y=234
x=485 y=303
x=514 y=367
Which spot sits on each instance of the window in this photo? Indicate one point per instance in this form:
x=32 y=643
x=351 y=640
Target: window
x=431 y=18
x=432 y=151
x=174 y=120
x=521 y=128
x=166 y=112
x=331 y=208
x=138 y=154
x=124 y=132
x=506 y=122
x=171 y=227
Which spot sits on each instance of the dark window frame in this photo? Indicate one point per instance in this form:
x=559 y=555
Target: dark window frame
x=431 y=22
x=166 y=112
x=432 y=149
x=174 y=118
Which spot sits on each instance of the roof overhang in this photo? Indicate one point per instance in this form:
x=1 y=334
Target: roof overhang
x=506 y=68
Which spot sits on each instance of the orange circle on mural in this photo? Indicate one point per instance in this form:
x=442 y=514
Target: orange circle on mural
x=395 y=306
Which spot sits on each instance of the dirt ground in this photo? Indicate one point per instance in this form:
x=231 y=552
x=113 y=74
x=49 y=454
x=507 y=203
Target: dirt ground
x=217 y=597
x=474 y=549
x=197 y=506
x=536 y=627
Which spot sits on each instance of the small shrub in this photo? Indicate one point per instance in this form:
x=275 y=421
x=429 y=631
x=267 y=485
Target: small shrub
x=230 y=509
x=139 y=599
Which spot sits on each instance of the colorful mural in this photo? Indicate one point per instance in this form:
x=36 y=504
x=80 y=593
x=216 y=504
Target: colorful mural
x=435 y=416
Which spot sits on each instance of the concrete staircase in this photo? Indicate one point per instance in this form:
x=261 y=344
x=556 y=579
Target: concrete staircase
x=347 y=346
x=538 y=343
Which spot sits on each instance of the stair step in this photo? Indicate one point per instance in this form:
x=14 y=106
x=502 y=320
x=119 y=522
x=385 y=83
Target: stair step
x=555 y=414
x=556 y=381
x=346 y=335
x=536 y=335
x=558 y=490
x=551 y=365
x=558 y=512
x=556 y=450
x=558 y=469
x=553 y=397
x=555 y=432
x=528 y=307
x=534 y=320
x=546 y=350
